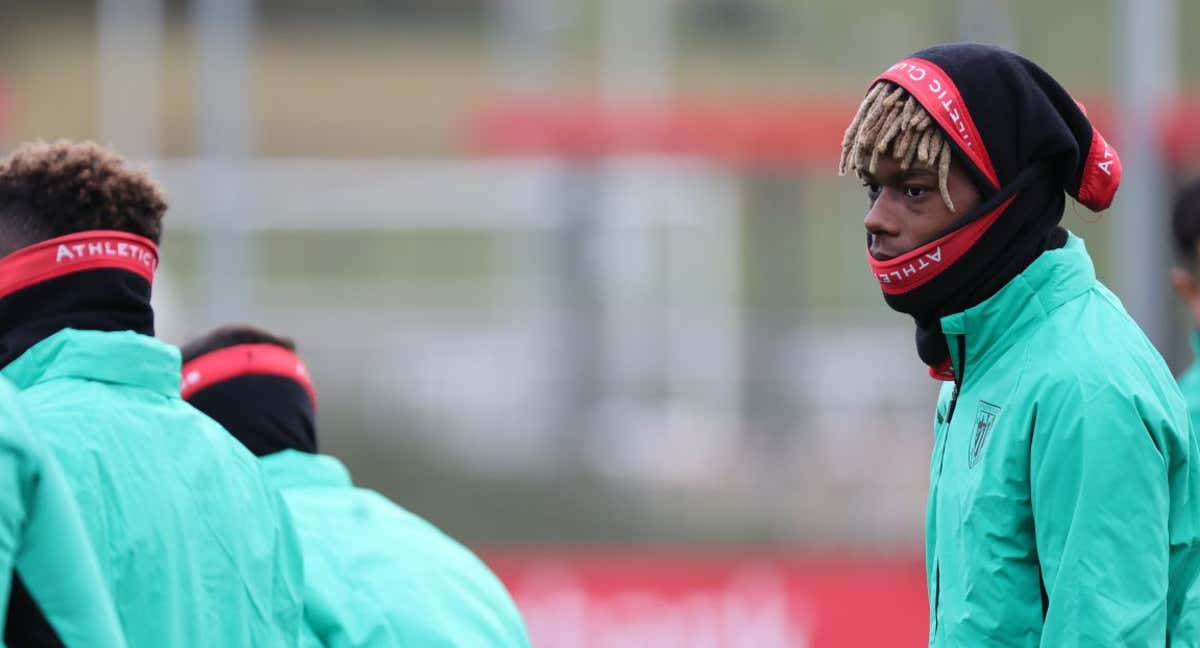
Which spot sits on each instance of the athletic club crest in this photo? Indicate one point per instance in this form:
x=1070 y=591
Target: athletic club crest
x=985 y=419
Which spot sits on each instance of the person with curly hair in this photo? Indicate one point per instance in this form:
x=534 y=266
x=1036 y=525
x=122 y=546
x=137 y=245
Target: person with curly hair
x=375 y=574
x=1064 y=497
x=195 y=548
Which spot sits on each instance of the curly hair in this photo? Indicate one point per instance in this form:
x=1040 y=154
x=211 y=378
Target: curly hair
x=891 y=122
x=59 y=188
x=232 y=335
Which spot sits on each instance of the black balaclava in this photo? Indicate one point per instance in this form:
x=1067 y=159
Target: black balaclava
x=1025 y=142
x=260 y=393
x=93 y=280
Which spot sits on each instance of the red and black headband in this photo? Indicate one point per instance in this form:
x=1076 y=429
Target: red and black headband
x=936 y=92
x=240 y=360
x=1003 y=113
x=81 y=252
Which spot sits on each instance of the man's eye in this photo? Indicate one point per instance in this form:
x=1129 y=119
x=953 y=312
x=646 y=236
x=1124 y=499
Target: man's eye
x=872 y=188
x=915 y=192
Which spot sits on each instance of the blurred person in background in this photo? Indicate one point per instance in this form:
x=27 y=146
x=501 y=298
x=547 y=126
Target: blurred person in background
x=193 y=546
x=43 y=543
x=1064 y=500
x=1185 y=278
x=375 y=574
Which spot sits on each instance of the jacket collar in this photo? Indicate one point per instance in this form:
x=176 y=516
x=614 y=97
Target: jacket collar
x=1053 y=279
x=121 y=357
x=293 y=469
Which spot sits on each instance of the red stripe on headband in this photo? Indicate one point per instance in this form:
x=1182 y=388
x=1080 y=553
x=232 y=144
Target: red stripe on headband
x=936 y=92
x=91 y=250
x=1101 y=175
x=914 y=269
x=244 y=360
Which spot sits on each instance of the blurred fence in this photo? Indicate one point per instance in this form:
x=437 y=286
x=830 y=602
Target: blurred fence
x=539 y=318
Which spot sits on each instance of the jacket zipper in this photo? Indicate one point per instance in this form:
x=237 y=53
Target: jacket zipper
x=958 y=373
x=958 y=377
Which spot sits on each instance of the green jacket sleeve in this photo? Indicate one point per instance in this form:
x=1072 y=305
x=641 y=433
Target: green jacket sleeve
x=13 y=495
x=1100 y=503
x=42 y=538
x=59 y=570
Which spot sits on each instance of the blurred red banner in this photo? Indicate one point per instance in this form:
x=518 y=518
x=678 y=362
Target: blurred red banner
x=797 y=132
x=663 y=598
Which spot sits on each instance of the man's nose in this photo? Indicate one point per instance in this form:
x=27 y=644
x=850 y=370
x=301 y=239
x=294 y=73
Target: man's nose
x=881 y=218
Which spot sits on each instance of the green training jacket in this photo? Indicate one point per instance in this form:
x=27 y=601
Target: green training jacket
x=377 y=575
x=42 y=538
x=193 y=545
x=1064 y=500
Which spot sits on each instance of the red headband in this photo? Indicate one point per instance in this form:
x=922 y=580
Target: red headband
x=244 y=360
x=935 y=91
x=91 y=250
x=937 y=94
x=1101 y=172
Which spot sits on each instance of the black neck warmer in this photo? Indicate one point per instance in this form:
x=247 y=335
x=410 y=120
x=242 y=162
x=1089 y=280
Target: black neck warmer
x=97 y=300
x=267 y=413
x=1021 y=136
x=1027 y=228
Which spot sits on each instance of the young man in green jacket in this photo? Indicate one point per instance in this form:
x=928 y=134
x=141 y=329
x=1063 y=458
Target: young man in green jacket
x=1064 y=501
x=375 y=574
x=44 y=546
x=193 y=546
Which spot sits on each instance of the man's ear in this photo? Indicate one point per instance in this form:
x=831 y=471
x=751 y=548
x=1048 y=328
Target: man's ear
x=1185 y=284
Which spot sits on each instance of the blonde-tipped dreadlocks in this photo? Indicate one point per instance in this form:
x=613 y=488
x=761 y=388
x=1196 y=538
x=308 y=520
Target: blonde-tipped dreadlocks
x=891 y=122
